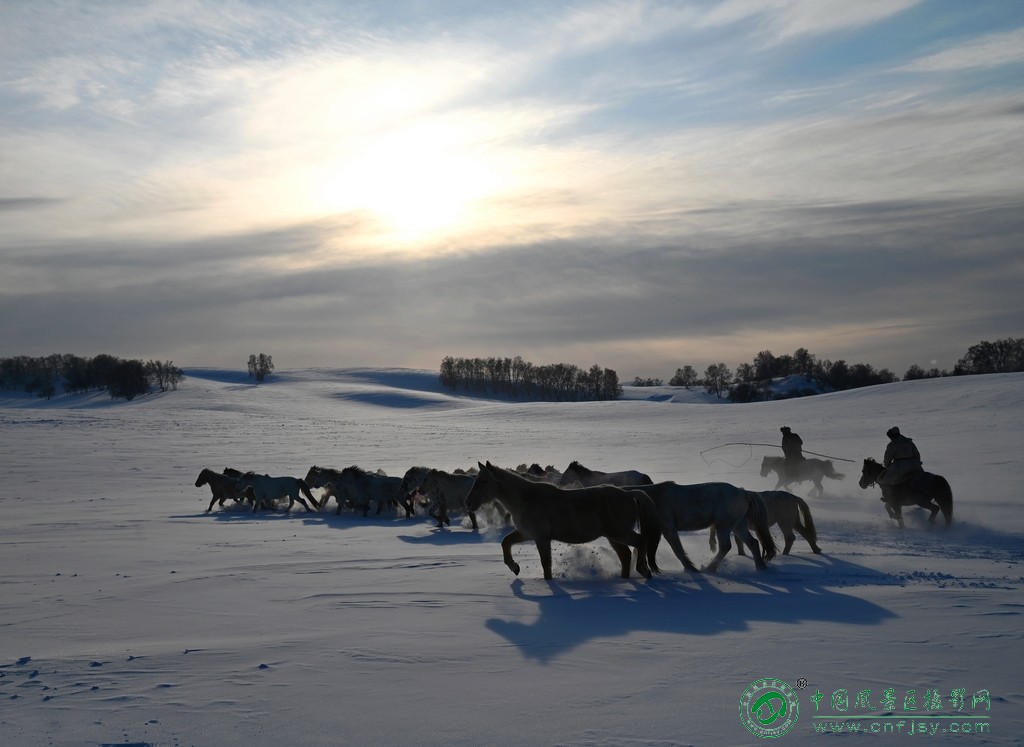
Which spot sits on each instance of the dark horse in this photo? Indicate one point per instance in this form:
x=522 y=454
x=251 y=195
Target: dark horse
x=543 y=512
x=925 y=490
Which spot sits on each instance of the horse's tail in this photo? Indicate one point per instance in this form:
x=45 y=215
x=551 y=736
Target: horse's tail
x=944 y=497
x=830 y=471
x=757 y=517
x=650 y=527
x=805 y=518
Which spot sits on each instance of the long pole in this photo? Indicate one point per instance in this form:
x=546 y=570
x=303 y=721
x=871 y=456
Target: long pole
x=773 y=446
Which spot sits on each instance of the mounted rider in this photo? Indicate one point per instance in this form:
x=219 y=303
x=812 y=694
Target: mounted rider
x=793 y=450
x=902 y=460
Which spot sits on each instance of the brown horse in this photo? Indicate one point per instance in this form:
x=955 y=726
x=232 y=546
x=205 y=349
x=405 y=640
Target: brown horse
x=577 y=473
x=543 y=512
x=925 y=490
x=223 y=486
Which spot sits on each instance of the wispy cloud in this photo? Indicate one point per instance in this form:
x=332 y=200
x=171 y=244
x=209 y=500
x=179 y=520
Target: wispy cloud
x=989 y=51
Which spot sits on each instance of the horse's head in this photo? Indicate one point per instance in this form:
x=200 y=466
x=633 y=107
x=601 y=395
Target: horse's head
x=765 y=467
x=486 y=486
x=869 y=473
x=203 y=477
x=314 y=476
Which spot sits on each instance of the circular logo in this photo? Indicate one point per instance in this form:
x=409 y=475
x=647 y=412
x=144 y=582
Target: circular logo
x=769 y=708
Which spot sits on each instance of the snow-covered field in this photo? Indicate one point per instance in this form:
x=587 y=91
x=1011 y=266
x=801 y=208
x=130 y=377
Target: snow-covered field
x=128 y=615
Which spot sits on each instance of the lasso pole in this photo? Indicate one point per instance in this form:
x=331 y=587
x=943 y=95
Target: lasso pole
x=773 y=446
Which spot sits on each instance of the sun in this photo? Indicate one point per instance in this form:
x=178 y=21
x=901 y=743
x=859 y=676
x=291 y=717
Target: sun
x=416 y=184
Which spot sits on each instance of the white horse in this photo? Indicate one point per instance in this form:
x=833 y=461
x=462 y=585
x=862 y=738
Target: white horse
x=447 y=492
x=806 y=469
x=790 y=512
x=725 y=508
x=267 y=490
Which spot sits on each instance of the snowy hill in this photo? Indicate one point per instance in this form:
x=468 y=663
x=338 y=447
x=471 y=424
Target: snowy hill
x=132 y=616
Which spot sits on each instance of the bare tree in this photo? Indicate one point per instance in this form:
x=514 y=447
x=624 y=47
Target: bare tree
x=260 y=365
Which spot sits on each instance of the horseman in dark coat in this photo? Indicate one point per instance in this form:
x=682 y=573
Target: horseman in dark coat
x=793 y=450
x=902 y=460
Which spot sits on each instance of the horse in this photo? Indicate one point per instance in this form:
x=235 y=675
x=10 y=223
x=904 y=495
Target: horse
x=925 y=490
x=363 y=487
x=789 y=512
x=447 y=492
x=543 y=474
x=411 y=482
x=576 y=472
x=543 y=513
x=223 y=486
x=267 y=490
x=726 y=508
x=807 y=469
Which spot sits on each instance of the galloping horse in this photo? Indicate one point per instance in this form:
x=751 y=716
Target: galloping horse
x=726 y=508
x=447 y=492
x=223 y=486
x=807 y=469
x=577 y=473
x=267 y=490
x=543 y=512
x=925 y=490
x=789 y=512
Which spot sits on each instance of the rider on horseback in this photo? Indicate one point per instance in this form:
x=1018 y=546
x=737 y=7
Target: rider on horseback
x=902 y=459
x=792 y=448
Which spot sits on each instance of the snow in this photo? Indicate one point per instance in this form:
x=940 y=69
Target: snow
x=129 y=615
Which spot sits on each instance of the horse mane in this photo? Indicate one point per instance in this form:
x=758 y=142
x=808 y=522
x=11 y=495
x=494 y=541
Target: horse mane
x=357 y=470
x=579 y=468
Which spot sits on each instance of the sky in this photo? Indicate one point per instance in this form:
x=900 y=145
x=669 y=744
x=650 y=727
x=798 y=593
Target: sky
x=640 y=185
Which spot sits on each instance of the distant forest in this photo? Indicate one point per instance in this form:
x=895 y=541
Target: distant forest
x=73 y=374
x=752 y=381
x=514 y=377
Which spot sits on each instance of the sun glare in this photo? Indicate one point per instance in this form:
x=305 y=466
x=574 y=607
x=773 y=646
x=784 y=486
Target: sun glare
x=417 y=183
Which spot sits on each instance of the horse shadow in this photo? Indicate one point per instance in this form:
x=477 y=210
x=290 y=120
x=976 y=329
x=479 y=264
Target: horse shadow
x=446 y=536
x=570 y=613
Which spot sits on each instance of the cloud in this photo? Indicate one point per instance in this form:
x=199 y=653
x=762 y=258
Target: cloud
x=988 y=51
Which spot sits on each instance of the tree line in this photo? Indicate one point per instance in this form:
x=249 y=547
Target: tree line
x=74 y=374
x=515 y=377
x=752 y=381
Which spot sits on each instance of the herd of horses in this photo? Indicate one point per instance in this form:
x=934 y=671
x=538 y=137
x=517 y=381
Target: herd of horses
x=578 y=505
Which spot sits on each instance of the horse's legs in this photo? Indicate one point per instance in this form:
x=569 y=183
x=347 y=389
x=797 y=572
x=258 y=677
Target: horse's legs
x=895 y=512
x=724 y=545
x=739 y=543
x=807 y=536
x=625 y=556
x=544 y=550
x=931 y=506
x=512 y=538
x=818 y=489
x=472 y=518
x=747 y=539
x=787 y=533
x=210 y=507
x=672 y=537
